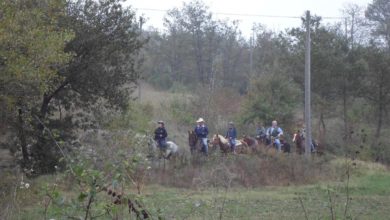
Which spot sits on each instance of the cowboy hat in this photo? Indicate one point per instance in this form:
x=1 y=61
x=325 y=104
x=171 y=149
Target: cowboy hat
x=200 y=120
x=160 y=122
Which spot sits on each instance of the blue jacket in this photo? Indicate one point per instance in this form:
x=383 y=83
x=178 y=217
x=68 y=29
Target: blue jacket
x=231 y=133
x=201 y=131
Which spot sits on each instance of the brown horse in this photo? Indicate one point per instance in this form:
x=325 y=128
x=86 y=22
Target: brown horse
x=253 y=143
x=224 y=145
x=194 y=142
x=221 y=142
x=256 y=144
x=299 y=142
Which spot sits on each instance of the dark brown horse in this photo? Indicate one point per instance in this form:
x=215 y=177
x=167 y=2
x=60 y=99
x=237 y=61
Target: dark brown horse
x=253 y=143
x=299 y=142
x=261 y=145
x=194 y=142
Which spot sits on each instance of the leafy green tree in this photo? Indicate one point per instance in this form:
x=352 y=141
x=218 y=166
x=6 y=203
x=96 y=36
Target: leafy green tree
x=62 y=63
x=31 y=53
x=377 y=84
x=196 y=49
x=271 y=97
x=100 y=77
x=377 y=80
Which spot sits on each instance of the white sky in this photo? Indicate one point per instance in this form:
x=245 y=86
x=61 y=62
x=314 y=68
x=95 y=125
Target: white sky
x=324 y=8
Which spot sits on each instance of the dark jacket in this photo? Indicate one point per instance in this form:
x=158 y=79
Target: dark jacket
x=160 y=133
x=231 y=133
x=201 y=131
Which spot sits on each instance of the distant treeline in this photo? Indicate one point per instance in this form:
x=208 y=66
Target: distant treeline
x=350 y=66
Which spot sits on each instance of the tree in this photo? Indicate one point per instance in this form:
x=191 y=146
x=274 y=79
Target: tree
x=377 y=84
x=199 y=48
x=271 y=97
x=378 y=13
x=31 y=52
x=194 y=22
x=100 y=76
x=377 y=79
x=103 y=72
x=356 y=35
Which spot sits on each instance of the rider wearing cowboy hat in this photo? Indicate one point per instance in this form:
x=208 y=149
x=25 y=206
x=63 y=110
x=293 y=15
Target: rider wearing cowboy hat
x=201 y=132
x=231 y=135
x=160 y=135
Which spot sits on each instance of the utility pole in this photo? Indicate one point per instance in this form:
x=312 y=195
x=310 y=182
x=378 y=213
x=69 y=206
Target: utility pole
x=307 y=88
x=141 y=21
x=252 y=43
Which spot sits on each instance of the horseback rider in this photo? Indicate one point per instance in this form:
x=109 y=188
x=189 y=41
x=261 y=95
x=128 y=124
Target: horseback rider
x=231 y=135
x=160 y=135
x=274 y=132
x=260 y=132
x=201 y=132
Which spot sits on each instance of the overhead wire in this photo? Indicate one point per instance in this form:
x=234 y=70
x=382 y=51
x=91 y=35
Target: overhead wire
x=244 y=15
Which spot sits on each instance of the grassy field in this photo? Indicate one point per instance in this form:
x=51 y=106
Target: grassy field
x=369 y=199
x=368 y=189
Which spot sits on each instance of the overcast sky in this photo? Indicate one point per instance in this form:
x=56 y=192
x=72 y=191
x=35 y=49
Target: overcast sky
x=324 y=8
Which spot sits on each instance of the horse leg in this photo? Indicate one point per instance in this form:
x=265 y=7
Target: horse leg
x=168 y=157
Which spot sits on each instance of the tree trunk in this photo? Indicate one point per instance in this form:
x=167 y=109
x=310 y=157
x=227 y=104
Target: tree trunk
x=22 y=138
x=347 y=135
x=321 y=133
x=40 y=154
x=380 y=117
x=199 y=57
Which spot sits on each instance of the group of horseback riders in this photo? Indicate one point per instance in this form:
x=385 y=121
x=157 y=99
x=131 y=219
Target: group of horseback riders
x=272 y=135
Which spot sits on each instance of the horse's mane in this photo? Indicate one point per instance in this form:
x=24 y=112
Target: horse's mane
x=222 y=138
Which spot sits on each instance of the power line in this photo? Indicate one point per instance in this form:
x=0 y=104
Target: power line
x=245 y=15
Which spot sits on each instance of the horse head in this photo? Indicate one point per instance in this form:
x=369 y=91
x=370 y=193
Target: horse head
x=215 y=140
x=192 y=138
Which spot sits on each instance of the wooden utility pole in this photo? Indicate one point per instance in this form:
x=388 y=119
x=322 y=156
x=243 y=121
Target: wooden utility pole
x=252 y=43
x=307 y=88
x=141 y=21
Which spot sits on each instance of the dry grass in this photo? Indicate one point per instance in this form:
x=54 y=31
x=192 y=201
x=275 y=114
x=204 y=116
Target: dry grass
x=247 y=171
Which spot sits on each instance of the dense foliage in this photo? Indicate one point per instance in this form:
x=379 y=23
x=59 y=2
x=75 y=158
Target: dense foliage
x=62 y=63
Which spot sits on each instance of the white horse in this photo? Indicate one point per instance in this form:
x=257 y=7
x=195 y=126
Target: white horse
x=171 y=149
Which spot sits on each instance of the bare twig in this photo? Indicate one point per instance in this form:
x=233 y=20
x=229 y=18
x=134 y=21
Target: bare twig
x=331 y=205
x=347 y=193
x=48 y=202
x=90 y=200
x=223 y=204
x=303 y=207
